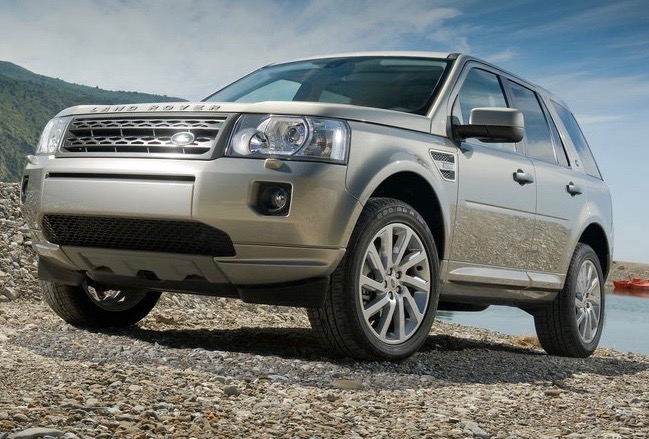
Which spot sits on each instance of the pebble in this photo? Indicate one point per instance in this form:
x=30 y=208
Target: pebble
x=231 y=391
x=19 y=417
x=474 y=429
x=38 y=432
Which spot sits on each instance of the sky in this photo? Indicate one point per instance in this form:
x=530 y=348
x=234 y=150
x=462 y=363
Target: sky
x=593 y=54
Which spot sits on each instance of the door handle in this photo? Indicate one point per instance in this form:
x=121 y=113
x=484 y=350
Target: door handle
x=573 y=189
x=523 y=177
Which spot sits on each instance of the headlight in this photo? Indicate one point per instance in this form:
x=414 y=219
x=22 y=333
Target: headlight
x=51 y=136
x=290 y=137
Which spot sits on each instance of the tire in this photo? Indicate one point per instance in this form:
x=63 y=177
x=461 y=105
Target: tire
x=572 y=324
x=375 y=308
x=82 y=305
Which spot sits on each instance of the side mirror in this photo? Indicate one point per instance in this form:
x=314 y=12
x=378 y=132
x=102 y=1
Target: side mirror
x=493 y=125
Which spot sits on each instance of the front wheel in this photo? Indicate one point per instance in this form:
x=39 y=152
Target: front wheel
x=85 y=305
x=572 y=324
x=384 y=294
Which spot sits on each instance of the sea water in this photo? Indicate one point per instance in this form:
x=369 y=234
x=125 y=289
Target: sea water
x=626 y=323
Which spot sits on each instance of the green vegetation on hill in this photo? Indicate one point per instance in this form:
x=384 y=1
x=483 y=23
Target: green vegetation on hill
x=28 y=101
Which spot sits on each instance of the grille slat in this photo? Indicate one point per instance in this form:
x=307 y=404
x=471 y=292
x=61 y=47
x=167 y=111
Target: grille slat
x=137 y=136
x=166 y=236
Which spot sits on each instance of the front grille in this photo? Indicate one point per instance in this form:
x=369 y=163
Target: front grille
x=166 y=236
x=138 y=136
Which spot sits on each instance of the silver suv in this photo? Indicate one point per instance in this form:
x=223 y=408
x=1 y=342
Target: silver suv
x=371 y=189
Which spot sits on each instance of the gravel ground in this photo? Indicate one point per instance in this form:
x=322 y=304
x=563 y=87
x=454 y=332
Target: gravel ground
x=206 y=367
x=219 y=368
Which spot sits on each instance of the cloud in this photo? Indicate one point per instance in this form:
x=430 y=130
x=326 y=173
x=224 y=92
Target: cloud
x=575 y=17
x=588 y=92
x=504 y=55
x=190 y=48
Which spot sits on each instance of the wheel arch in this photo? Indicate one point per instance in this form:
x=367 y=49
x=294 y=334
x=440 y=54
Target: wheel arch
x=413 y=189
x=595 y=237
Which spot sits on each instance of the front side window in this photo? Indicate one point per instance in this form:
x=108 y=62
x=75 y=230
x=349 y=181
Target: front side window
x=578 y=140
x=395 y=83
x=480 y=89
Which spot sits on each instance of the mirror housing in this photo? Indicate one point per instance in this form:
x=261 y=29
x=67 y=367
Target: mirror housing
x=492 y=125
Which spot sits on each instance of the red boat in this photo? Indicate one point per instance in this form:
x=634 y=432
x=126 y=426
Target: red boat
x=634 y=284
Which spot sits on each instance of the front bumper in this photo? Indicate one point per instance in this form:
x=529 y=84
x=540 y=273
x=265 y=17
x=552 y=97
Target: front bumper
x=307 y=243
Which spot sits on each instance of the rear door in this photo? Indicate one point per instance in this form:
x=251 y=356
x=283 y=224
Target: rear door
x=560 y=200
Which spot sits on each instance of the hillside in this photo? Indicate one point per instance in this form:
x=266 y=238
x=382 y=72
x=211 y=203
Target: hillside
x=28 y=101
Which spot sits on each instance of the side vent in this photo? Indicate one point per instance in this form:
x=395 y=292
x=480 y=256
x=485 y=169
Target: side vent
x=445 y=163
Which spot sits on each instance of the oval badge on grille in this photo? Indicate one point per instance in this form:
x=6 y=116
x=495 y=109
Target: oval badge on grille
x=182 y=139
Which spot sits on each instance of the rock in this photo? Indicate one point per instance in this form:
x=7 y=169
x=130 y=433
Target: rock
x=19 y=417
x=552 y=392
x=35 y=433
x=9 y=293
x=473 y=428
x=18 y=238
x=231 y=391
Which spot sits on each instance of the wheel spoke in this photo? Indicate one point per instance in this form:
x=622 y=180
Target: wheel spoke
x=581 y=315
x=594 y=286
x=413 y=259
x=376 y=262
x=375 y=306
x=594 y=318
x=415 y=282
x=411 y=306
x=586 y=326
x=589 y=273
x=371 y=284
x=386 y=246
x=595 y=300
x=386 y=319
x=402 y=244
x=579 y=302
x=400 y=320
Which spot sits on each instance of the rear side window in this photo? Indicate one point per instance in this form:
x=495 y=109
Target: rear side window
x=538 y=143
x=578 y=139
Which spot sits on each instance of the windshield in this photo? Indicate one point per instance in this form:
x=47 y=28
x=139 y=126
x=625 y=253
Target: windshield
x=394 y=83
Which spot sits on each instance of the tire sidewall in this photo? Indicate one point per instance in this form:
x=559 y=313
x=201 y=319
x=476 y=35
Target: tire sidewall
x=397 y=212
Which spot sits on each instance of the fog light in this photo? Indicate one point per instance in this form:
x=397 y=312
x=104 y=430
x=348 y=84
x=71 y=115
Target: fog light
x=274 y=198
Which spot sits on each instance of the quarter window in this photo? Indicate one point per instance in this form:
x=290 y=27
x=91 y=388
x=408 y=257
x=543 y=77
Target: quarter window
x=559 y=149
x=578 y=140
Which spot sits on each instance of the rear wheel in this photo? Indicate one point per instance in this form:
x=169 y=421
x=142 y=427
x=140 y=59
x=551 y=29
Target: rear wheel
x=572 y=324
x=86 y=305
x=383 y=296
